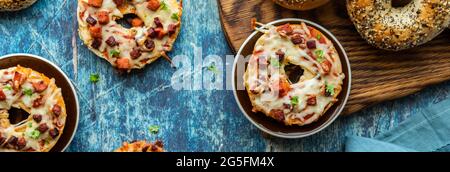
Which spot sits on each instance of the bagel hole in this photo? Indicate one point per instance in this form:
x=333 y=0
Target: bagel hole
x=400 y=3
x=17 y=115
x=294 y=73
x=125 y=21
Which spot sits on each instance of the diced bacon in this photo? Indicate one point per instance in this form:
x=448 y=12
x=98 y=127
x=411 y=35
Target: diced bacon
x=285 y=30
x=308 y=116
x=18 y=80
x=2 y=96
x=283 y=88
x=277 y=114
x=39 y=86
x=312 y=101
x=326 y=66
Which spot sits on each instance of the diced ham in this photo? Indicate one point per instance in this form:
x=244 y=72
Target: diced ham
x=153 y=5
x=103 y=17
x=123 y=64
x=96 y=31
x=137 y=22
x=95 y=3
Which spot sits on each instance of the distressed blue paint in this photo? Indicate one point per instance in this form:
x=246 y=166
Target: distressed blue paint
x=121 y=107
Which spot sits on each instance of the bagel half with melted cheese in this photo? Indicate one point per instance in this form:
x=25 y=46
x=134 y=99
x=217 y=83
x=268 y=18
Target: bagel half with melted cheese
x=141 y=146
x=267 y=80
x=38 y=95
x=153 y=31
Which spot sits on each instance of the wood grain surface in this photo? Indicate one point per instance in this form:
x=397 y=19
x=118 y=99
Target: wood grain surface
x=121 y=107
x=378 y=75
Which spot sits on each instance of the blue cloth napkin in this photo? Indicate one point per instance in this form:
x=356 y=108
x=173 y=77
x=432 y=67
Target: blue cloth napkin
x=427 y=131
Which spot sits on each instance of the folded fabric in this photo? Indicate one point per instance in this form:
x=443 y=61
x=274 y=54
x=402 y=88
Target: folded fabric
x=424 y=132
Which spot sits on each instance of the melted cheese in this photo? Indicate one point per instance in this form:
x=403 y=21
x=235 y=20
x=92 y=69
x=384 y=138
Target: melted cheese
x=264 y=79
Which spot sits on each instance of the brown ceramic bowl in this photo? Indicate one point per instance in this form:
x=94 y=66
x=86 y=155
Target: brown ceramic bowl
x=269 y=125
x=52 y=71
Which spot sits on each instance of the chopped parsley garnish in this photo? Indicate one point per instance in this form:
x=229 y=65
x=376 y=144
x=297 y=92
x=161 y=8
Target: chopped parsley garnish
x=94 y=78
x=28 y=92
x=319 y=54
x=164 y=6
x=30 y=124
x=213 y=68
x=7 y=87
x=329 y=88
x=175 y=16
x=114 y=53
x=154 y=129
x=319 y=36
x=274 y=62
x=35 y=134
x=294 y=100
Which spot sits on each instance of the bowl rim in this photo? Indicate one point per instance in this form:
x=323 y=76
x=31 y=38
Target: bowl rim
x=77 y=105
x=337 y=44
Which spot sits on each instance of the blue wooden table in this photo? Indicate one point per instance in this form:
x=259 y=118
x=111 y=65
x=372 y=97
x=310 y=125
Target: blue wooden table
x=121 y=107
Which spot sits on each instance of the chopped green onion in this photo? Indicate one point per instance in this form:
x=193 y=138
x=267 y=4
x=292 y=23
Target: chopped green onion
x=163 y=6
x=7 y=87
x=30 y=124
x=114 y=53
x=319 y=54
x=154 y=129
x=94 y=78
x=319 y=36
x=28 y=92
x=175 y=16
x=213 y=69
x=329 y=89
x=294 y=100
x=35 y=134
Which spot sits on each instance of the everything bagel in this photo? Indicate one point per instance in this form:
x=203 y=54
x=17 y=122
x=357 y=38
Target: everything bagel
x=15 y=5
x=152 y=34
x=398 y=28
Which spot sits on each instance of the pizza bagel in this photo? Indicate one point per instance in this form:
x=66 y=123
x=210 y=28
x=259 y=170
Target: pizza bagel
x=282 y=51
x=38 y=95
x=154 y=29
x=141 y=146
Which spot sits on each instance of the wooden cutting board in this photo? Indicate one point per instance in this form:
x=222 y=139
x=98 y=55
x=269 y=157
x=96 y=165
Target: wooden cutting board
x=378 y=75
